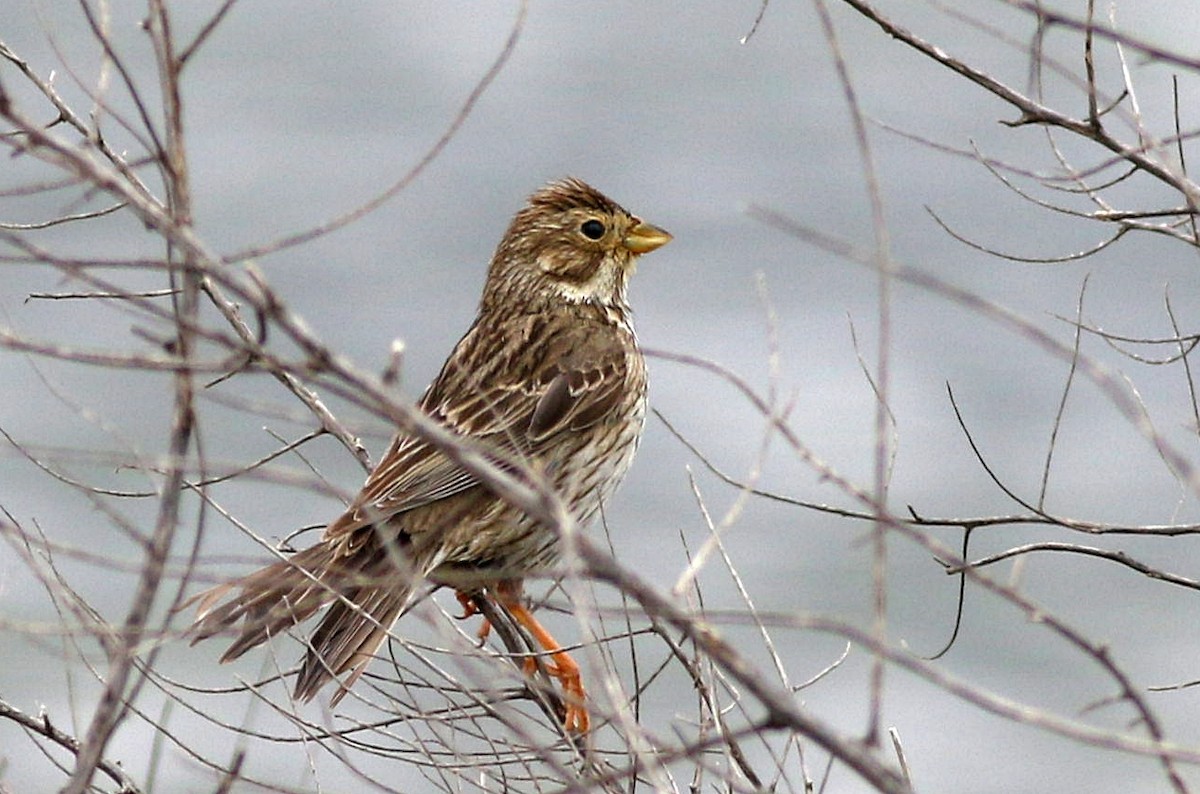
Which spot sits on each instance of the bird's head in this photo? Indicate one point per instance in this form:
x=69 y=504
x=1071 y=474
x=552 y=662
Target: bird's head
x=569 y=242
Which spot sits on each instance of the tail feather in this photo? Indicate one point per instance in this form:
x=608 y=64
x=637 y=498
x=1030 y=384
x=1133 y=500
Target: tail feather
x=268 y=602
x=347 y=639
x=365 y=593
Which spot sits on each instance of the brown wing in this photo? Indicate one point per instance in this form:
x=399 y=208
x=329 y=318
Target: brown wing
x=514 y=384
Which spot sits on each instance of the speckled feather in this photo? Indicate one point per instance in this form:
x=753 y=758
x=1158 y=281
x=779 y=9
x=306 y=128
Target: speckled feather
x=549 y=376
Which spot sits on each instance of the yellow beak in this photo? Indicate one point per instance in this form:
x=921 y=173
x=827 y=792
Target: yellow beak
x=645 y=237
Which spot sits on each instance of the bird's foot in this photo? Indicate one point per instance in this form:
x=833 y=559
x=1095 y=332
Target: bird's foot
x=470 y=610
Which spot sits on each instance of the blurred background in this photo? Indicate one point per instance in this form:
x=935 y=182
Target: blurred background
x=299 y=112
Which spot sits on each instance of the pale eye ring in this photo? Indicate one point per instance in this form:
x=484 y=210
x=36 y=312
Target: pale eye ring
x=592 y=229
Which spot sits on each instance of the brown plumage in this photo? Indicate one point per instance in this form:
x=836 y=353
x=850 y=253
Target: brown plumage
x=549 y=374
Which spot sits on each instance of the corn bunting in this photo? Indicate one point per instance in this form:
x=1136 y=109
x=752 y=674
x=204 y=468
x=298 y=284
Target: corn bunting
x=550 y=375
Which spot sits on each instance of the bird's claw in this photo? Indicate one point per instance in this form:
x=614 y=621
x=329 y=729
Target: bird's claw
x=470 y=610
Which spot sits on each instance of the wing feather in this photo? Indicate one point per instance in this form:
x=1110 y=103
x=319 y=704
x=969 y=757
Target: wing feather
x=579 y=377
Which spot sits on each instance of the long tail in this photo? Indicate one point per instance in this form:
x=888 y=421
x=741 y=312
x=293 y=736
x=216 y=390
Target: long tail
x=366 y=590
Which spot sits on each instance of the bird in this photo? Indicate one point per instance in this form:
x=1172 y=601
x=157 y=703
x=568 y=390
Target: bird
x=549 y=375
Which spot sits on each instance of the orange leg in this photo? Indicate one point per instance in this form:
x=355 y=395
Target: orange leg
x=563 y=667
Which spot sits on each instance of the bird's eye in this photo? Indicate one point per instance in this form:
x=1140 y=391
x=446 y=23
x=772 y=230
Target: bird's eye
x=592 y=229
